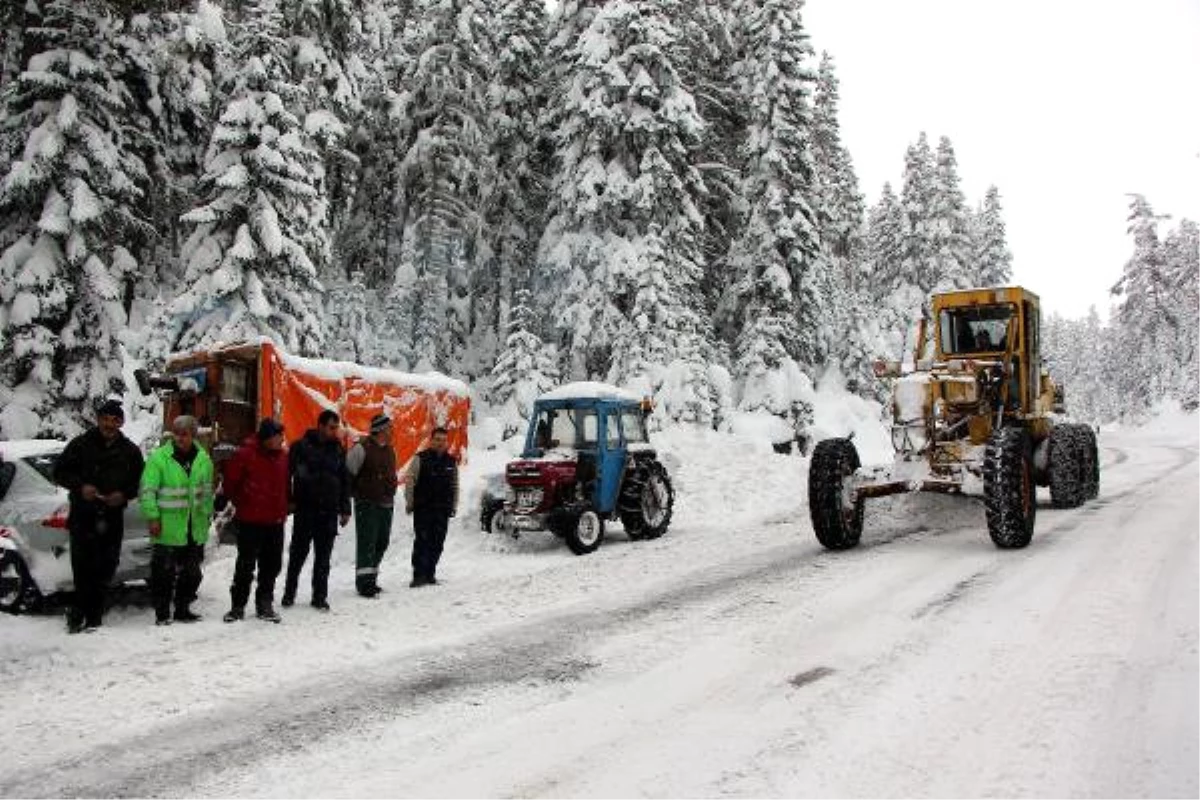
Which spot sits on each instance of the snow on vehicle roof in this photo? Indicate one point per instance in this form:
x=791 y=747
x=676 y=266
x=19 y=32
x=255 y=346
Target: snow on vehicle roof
x=24 y=448
x=587 y=390
x=341 y=370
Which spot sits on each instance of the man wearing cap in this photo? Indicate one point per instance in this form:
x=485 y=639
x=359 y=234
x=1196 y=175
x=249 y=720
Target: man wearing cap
x=256 y=482
x=176 y=498
x=100 y=469
x=372 y=466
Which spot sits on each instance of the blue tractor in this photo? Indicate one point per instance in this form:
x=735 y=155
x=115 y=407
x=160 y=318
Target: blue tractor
x=587 y=460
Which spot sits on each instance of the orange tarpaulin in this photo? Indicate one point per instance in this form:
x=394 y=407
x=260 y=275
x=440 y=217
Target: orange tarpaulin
x=295 y=390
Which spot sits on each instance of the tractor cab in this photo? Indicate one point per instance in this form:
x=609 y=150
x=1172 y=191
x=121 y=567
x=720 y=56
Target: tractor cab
x=587 y=458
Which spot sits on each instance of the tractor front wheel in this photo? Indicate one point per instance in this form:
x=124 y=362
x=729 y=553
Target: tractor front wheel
x=837 y=516
x=586 y=534
x=647 y=502
x=1008 y=487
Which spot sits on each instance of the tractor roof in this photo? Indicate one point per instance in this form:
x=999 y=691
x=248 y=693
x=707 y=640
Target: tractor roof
x=588 y=391
x=983 y=296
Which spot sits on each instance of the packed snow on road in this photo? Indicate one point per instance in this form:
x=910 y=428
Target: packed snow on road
x=733 y=656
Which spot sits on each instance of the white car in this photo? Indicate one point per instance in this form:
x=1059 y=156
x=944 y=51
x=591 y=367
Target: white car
x=35 y=557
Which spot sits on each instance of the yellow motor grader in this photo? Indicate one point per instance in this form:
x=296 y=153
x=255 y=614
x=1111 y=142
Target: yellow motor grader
x=974 y=412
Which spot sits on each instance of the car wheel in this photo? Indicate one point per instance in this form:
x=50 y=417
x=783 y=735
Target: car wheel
x=18 y=592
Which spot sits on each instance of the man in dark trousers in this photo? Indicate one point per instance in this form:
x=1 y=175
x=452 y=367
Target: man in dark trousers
x=372 y=466
x=176 y=498
x=321 y=494
x=101 y=470
x=431 y=496
x=256 y=481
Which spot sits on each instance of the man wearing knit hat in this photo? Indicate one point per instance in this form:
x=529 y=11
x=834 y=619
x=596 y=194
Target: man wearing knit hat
x=101 y=469
x=256 y=481
x=372 y=466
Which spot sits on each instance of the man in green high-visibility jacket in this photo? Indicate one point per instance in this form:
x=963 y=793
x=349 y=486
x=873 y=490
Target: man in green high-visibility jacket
x=176 y=497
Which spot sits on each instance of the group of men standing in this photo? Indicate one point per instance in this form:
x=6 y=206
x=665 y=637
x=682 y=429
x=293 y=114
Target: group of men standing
x=178 y=492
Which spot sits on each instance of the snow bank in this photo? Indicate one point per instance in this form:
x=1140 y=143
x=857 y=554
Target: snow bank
x=838 y=413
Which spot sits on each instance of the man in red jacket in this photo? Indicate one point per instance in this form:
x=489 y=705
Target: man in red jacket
x=256 y=482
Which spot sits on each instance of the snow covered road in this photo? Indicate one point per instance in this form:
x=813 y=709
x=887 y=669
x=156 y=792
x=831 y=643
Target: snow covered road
x=734 y=656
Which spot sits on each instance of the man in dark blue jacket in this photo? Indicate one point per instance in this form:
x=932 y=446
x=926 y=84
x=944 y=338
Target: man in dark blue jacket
x=431 y=496
x=321 y=492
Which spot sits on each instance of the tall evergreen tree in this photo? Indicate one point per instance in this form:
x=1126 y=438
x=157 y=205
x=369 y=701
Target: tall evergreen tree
x=842 y=209
x=992 y=261
x=525 y=369
x=622 y=246
x=784 y=283
x=916 y=198
x=67 y=202
x=261 y=233
x=950 y=243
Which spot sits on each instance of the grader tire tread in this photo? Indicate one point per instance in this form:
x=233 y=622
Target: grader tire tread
x=1067 y=466
x=836 y=527
x=1009 y=491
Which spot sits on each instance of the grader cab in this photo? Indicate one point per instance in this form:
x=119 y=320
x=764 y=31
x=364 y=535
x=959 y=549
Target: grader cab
x=975 y=411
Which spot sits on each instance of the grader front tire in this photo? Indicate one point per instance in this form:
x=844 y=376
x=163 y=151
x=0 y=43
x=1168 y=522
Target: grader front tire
x=836 y=520
x=1009 y=490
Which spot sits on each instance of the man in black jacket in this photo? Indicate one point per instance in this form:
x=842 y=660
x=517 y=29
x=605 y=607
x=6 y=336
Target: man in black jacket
x=101 y=469
x=321 y=491
x=431 y=496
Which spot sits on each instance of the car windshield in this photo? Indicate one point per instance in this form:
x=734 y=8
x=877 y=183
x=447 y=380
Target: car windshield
x=975 y=329
x=570 y=428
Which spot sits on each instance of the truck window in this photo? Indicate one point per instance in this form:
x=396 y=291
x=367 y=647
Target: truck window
x=612 y=430
x=235 y=383
x=633 y=426
x=974 y=329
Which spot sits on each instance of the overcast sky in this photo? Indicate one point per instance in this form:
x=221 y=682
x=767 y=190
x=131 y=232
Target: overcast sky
x=1065 y=105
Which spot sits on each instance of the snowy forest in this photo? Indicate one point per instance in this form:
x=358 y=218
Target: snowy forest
x=653 y=193
x=1150 y=348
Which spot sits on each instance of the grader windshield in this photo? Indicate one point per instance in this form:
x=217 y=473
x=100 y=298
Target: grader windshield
x=976 y=329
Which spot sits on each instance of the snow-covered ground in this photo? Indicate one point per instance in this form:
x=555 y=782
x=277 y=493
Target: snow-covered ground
x=731 y=657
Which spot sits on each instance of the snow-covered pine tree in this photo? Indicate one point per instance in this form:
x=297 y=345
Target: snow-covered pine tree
x=622 y=247
x=992 y=260
x=1181 y=253
x=349 y=312
x=525 y=369
x=950 y=241
x=515 y=197
x=261 y=232
x=841 y=206
x=784 y=283
x=171 y=60
x=709 y=42
x=916 y=198
x=67 y=201
x=1146 y=320
x=886 y=286
x=443 y=170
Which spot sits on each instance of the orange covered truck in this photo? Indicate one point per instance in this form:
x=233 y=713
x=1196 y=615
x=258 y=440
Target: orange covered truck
x=231 y=388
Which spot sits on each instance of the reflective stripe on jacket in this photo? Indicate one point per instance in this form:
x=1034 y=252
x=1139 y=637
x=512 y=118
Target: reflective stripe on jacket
x=174 y=498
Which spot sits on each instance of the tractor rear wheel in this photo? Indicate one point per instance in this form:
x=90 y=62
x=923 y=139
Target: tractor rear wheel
x=837 y=516
x=586 y=534
x=647 y=502
x=1008 y=488
x=1067 y=465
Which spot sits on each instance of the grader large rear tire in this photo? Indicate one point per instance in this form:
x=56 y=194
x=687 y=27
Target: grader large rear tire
x=1008 y=487
x=1067 y=466
x=837 y=521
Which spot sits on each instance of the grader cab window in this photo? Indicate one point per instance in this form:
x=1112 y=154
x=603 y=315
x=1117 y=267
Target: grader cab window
x=976 y=329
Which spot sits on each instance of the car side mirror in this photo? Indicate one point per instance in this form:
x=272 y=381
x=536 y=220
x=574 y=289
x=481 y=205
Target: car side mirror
x=8 y=471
